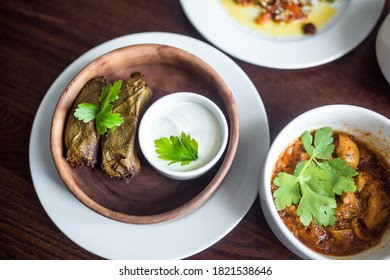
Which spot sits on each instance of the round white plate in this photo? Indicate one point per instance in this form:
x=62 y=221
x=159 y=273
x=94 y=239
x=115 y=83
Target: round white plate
x=170 y=240
x=353 y=21
x=382 y=47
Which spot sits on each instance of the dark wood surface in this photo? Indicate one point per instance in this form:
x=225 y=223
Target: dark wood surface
x=39 y=39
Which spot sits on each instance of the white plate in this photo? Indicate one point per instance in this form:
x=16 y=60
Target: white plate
x=382 y=47
x=353 y=21
x=170 y=240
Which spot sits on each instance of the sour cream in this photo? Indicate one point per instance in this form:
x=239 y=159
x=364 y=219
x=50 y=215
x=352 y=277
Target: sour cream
x=196 y=116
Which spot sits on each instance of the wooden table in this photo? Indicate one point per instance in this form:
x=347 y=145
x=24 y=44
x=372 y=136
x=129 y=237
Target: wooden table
x=39 y=39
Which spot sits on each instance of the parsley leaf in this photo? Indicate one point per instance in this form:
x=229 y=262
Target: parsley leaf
x=315 y=181
x=289 y=193
x=105 y=119
x=86 y=112
x=110 y=93
x=315 y=206
x=339 y=174
x=323 y=147
x=175 y=149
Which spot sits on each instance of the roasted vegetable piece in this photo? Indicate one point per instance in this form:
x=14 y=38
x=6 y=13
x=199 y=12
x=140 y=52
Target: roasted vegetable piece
x=349 y=208
x=359 y=233
x=378 y=208
x=81 y=139
x=362 y=179
x=348 y=150
x=119 y=155
x=342 y=235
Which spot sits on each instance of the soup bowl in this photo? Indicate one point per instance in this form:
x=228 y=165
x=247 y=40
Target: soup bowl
x=365 y=126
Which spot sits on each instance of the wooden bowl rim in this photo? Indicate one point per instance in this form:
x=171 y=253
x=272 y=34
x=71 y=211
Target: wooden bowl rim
x=57 y=130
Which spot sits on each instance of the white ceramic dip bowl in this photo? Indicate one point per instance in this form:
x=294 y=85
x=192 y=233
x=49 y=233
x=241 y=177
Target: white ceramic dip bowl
x=196 y=116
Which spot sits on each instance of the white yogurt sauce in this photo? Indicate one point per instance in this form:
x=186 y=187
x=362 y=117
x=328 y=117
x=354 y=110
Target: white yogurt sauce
x=194 y=120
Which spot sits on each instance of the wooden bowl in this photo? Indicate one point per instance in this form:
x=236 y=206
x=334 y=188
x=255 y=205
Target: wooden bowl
x=151 y=197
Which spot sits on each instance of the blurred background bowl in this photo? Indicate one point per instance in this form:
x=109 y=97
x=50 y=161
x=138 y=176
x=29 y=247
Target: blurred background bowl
x=151 y=197
x=366 y=126
x=383 y=47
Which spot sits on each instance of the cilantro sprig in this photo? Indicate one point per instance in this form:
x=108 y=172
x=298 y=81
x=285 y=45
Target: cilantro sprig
x=105 y=119
x=181 y=150
x=315 y=181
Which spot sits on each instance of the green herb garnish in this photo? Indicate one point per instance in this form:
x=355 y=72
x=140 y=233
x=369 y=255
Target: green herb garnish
x=175 y=149
x=105 y=119
x=316 y=181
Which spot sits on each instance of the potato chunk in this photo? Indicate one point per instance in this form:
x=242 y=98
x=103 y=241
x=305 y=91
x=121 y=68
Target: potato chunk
x=377 y=212
x=349 y=208
x=348 y=150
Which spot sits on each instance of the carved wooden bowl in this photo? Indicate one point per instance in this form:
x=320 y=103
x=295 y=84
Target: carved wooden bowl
x=151 y=197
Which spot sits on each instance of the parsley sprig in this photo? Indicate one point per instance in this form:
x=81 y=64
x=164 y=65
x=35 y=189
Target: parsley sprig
x=316 y=181
x=175 y=149
x=105 y=119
